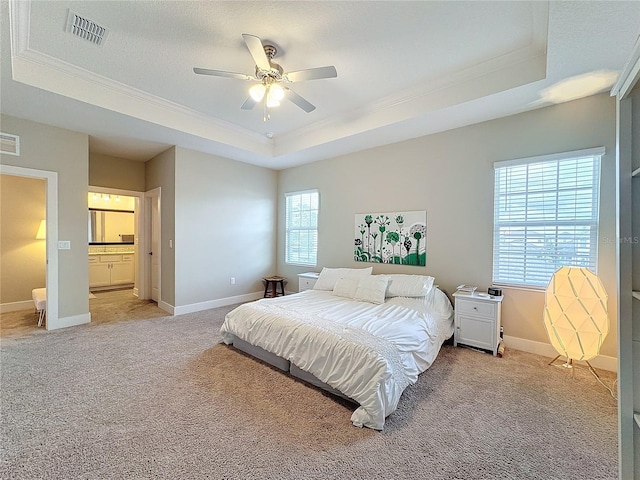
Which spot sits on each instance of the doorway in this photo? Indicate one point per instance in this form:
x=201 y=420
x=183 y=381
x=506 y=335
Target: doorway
x=113 y=296
x=115 y=235
x=51 y=235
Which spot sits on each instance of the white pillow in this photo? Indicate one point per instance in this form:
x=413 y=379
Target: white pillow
x=346 y=287
x=409 y=285
x=329 y=276
x=372 y=289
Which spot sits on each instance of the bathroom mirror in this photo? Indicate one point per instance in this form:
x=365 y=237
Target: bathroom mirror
x=111 y=227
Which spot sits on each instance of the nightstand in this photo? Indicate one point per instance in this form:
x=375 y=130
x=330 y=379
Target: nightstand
x=477 y=321
x=306 y=281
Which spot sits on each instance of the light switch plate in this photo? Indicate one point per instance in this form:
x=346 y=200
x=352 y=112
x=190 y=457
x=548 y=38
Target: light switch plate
x=64 y=245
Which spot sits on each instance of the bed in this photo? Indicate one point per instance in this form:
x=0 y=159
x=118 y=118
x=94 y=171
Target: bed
x=353 y=335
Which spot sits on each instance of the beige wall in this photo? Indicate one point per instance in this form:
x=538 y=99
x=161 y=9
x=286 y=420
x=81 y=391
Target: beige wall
x=224 y=226
x=160 y=171
x=54 y=149
x=451 y=175
x=23 y=258
x=113 y=172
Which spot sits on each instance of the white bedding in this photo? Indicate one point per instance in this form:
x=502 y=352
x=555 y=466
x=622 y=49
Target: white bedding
x=369 y=352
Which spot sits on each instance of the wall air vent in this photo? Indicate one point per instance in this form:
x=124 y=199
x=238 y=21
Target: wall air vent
x=86 y=29
x=9 y=144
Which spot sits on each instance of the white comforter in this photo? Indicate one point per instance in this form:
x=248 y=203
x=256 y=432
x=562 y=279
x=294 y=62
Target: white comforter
x=369 y=352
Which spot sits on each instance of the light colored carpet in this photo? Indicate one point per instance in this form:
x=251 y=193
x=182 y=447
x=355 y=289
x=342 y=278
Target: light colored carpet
x=105 y=307
x=162 y=398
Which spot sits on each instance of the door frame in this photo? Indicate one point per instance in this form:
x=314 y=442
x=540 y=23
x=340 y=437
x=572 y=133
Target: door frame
x=51 y=216
x=151 y=196
x=139 y=231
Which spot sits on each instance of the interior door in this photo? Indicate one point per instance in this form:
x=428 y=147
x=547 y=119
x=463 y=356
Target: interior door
x=154 y=252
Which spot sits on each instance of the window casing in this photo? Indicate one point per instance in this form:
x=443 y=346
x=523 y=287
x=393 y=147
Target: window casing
x=301 y=229
x=545 y=216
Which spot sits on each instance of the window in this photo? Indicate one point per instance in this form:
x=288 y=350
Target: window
x=545 y=216
x=301 y=239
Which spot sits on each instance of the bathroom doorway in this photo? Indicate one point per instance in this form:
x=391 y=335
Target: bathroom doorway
x=116 y=255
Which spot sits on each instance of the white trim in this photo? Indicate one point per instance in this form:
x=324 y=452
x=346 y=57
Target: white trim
x=220 y=302
x=72 y=321
x=509 y=70
x=526 y=288
x=300 y=192
x=46 y=72
x=546 y=350
x=629 y=74
x=140 y=233
x=16 y=306
x=51 y=187
x=596 y=151
x=166 y=307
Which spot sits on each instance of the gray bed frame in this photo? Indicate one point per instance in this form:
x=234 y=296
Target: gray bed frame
x=286 y=366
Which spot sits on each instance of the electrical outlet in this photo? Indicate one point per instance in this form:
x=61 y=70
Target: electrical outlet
x=232 y=280
x=64 y=245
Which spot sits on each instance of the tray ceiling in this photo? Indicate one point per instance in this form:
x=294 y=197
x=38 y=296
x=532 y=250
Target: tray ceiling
x=405 y=69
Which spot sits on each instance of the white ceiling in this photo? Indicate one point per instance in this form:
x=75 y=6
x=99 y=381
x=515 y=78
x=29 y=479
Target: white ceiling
x=405 y=69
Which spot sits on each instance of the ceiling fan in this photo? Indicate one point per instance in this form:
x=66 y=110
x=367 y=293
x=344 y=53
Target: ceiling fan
x=272 y=86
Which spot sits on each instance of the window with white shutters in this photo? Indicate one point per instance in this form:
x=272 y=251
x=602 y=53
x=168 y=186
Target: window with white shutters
x=301 y=236
x=545 y=216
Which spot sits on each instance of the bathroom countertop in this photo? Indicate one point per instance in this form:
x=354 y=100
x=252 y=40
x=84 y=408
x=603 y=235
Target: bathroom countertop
x=112 y=252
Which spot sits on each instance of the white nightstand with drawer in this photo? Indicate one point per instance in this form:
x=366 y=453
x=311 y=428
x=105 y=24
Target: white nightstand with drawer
x=477 y=321
x=306 y=281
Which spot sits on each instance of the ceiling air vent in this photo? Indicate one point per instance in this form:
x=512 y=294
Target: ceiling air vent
x=9 y=144
x=86 y=29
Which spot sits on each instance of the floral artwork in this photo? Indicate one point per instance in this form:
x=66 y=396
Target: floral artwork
x=396 y=238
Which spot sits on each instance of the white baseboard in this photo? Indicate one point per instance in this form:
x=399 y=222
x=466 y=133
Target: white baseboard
x=69 y=321
x=16 y=306
x=221 y=302
x=167 y=307
x=546 y=350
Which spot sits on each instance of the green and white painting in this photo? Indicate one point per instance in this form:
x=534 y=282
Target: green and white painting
x=396 y=238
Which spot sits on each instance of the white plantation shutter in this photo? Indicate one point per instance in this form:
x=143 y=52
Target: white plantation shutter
x=301 y=236
x=545 y=216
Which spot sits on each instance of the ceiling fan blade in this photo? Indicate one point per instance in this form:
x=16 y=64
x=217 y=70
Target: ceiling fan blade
x=254 y=44
x=220 y=73
x=299 y=101
x=248 y=104
x=312 y=74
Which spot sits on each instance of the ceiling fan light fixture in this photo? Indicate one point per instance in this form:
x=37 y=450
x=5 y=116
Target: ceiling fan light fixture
x=269 y=74
x=257 y=92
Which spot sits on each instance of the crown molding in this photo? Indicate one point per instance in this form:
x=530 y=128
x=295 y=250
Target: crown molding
x=510 y=70
x=54 y=75
x=629 y=74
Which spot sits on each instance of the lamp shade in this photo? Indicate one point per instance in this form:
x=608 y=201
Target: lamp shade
x=257 y=92
x=575 y=313
x=42 y=230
